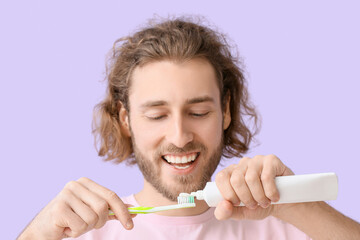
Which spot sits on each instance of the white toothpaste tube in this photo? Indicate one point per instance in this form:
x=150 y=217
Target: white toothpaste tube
x=292 y=189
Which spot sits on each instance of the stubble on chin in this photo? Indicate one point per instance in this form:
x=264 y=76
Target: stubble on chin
x=151 y=171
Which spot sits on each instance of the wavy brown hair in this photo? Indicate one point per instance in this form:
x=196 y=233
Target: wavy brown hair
x=177 y=40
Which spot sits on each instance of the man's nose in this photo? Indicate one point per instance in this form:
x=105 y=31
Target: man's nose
x=179 y=132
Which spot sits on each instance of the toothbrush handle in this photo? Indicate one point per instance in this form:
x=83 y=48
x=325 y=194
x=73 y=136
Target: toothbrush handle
x=292 y=189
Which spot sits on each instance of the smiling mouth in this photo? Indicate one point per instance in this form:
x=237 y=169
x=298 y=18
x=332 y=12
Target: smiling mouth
x=181 y=161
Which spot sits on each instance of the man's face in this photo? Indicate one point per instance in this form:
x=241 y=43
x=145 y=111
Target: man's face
x=176 y=124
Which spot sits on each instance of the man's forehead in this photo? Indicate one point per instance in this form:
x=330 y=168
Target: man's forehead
x=164 y=82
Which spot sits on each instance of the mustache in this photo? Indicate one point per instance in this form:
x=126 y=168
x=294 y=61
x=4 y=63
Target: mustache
x=171 y=148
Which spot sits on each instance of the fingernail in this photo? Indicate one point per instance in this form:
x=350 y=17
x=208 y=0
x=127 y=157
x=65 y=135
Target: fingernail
x=265 y=205
x=129 y=224
x=276 y=199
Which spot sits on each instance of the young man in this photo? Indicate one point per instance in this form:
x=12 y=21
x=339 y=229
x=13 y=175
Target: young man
x=176 y=102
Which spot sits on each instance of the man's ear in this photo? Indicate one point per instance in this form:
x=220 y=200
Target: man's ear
x=227 y=113
x=124 y=120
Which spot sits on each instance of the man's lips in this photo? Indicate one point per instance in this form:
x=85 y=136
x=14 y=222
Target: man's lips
x=181 y=159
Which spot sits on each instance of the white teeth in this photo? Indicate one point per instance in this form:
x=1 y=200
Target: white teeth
x=185 y=167
x=180 y=159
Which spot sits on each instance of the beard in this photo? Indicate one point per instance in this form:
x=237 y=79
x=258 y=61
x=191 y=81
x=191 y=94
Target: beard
x=151 y=169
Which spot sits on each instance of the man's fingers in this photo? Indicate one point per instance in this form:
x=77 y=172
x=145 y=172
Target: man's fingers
x=270 y=189
x=272 y=168
x=223 y=210
x=120 y=209
x=113 y=217
x=115 y=203
x=268 y=181
x=241 y=188
x=253 y=181
x=73 y=224
x=97 y=204
x=223 y=183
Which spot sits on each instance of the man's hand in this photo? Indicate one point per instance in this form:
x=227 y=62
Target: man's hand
x=81 y=206
x=251 y=181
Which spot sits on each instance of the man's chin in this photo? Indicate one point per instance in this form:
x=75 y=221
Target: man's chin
x=182 y=184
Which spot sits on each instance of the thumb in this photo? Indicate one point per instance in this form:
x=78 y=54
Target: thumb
x=224 y=210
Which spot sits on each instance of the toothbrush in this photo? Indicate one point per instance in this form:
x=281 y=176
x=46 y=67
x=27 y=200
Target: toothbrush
x=183 y=202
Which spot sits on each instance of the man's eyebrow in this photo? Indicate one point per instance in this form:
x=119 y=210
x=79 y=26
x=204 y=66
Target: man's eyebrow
x=159 y=103
x=150 y=104
x=200 y=100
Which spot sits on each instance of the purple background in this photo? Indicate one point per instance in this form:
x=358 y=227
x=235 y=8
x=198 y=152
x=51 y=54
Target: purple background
x=302 y=63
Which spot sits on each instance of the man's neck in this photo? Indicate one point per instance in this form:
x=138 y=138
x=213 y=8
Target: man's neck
x=150 y=197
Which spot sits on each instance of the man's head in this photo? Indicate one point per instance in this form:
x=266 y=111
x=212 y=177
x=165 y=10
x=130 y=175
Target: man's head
x=175 y=92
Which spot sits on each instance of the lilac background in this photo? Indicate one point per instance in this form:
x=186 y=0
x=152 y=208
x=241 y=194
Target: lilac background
x=303 y=68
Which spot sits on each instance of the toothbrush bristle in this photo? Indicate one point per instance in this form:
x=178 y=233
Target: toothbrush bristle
x=186 y=199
